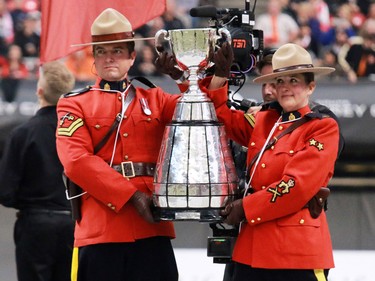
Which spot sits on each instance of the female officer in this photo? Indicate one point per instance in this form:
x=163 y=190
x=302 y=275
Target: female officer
x=281 y=237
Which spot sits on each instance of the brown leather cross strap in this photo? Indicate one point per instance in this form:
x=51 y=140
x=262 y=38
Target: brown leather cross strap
x=133 y=169
x=288 y=130
x=129 y=98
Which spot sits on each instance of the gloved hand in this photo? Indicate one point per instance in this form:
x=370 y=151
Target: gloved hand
x=166 y=64
x=233 y=213
x=223 y=60
x=142 y=203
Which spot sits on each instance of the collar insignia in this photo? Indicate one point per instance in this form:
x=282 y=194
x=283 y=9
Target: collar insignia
x=113 y=85
x=290 y=116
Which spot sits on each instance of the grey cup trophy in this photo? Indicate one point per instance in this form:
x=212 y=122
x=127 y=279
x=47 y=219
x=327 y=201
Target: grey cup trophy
x=195 y=172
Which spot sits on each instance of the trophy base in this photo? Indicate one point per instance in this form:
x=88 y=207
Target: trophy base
x=178 y=214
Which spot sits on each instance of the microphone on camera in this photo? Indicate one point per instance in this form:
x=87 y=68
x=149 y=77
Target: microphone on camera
x=209 y=11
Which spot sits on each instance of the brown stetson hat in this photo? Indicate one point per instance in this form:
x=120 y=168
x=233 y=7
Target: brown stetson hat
x=291 y=59
x=111 y=27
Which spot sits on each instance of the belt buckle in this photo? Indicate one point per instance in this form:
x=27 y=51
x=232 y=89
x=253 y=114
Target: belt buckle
x=132 y=175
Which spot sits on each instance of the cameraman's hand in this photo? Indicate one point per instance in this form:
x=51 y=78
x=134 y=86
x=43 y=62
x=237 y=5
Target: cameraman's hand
x=223 y=59
x=254 y=110
x=233 y=213
x=142 y=203
x=166 y=64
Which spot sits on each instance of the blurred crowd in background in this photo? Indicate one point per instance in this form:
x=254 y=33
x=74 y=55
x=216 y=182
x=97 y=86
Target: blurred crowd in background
x=338 y=33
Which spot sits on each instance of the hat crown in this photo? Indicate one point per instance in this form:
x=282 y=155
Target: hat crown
x=289 y=56
x=292 y=59
x=110 y=21
x=111 y=27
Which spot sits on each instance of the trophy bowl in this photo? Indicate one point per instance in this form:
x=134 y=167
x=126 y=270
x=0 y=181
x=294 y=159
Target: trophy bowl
x=192 y=48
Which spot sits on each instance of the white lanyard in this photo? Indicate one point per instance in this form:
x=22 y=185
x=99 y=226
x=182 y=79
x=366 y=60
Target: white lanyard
x=126 y=101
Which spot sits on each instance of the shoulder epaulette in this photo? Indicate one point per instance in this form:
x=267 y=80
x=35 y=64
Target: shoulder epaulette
x=77 y=92
x=144 y=81
x=317 y=115
x=323 y=110
x=271 y=105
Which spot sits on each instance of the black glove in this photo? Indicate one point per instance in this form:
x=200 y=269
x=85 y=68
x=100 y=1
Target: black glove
x=233 y=213
x=142 y=203
x=223 y=60
x=166 y=64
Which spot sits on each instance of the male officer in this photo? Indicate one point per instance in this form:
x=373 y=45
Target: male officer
x=116 y=238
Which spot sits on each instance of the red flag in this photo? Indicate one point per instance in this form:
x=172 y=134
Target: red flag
x=68 y=22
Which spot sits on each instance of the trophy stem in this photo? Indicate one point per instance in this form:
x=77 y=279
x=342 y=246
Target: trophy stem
x=193 y=93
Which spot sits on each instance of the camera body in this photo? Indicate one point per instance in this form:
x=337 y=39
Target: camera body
x=247 y=43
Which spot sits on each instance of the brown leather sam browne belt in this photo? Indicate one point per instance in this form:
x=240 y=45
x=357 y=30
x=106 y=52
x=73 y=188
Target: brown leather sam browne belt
x=131 y=169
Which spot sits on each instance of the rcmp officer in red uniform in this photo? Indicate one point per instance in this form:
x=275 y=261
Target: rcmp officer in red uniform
x=115 y=237
x=282 y=237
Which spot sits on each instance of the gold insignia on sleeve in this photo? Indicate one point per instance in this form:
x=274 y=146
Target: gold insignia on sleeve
x=318 y=145
x=66 y=116
x=68 y=125
x=281 y=189
x=71 y=129
x=250 y=118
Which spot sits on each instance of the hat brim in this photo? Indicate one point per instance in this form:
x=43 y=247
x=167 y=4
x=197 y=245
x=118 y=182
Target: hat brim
x=112 y=42
x=316 y=70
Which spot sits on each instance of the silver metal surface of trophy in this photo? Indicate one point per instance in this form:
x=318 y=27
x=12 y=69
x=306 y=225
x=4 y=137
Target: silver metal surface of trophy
x=195 y=172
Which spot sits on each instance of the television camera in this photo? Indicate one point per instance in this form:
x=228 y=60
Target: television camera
x=247 y=45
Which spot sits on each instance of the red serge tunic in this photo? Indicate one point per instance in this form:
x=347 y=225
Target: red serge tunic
x=279 y=233
x=84 y=119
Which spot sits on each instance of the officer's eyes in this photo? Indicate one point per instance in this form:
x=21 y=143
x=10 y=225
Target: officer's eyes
x=114 y=52
x=99 y=52
x=290 y=81
x=118 y=52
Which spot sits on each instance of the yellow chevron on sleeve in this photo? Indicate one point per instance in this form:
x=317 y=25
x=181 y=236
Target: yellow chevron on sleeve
x=250 y=118
x=71 y=129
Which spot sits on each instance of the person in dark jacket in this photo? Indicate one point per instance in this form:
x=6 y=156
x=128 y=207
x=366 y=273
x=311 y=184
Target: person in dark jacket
x=31 y=181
